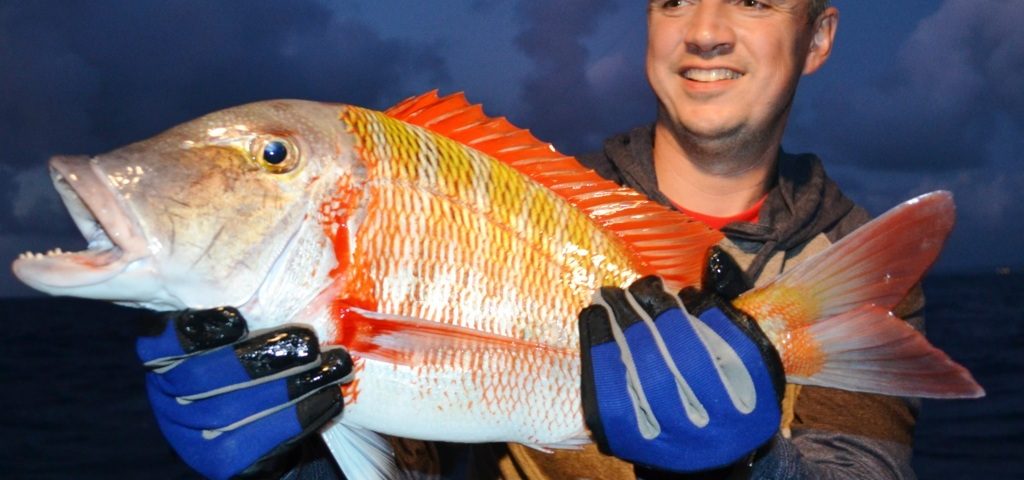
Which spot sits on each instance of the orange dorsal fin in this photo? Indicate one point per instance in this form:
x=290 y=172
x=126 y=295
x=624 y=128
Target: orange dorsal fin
x=668 y=243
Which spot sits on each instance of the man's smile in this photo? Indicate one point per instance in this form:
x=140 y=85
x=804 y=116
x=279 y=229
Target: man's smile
x=710 y=74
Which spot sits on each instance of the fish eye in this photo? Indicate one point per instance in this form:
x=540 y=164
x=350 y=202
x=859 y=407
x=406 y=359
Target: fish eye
x=275 y=154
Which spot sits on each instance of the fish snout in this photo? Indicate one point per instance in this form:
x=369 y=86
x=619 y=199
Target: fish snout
x=68 y=167
x=58 y=161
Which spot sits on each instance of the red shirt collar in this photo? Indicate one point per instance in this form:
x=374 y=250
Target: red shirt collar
x=749 y=215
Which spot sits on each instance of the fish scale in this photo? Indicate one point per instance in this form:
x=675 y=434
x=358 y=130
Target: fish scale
x=447 y=215
x=529 y=395
x=450 y=253
x=477 y=220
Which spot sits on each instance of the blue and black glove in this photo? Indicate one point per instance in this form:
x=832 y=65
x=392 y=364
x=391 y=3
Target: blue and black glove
x=232 y=405
x=673 y=388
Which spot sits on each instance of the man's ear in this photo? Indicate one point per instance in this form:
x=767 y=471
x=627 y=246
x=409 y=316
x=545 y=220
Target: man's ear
x=822 y=38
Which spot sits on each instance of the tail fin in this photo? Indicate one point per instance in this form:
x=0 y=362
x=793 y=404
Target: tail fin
x=871 y=350
x=838 y=304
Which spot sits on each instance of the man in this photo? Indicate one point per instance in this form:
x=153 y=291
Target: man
x=725 y=73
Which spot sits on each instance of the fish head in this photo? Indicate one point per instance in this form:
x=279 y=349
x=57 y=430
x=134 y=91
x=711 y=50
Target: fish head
x=203 y=214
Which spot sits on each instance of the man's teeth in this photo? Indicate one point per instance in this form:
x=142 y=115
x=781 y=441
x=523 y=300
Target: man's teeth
x=711 y=75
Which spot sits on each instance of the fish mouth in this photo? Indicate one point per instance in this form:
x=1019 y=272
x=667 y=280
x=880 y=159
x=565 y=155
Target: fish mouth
x=114 y=238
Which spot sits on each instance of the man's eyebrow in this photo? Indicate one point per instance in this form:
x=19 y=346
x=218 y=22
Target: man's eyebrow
x=788 y=4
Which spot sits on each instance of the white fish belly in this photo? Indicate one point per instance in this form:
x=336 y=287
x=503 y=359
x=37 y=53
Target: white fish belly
x=464 y=395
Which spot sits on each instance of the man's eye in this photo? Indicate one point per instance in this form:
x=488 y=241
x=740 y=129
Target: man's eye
x=671 y=4
x=753 y=4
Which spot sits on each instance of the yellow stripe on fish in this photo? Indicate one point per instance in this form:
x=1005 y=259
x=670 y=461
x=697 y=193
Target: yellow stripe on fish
x=473 y=216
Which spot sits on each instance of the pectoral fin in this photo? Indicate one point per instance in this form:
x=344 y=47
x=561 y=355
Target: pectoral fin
x=403 y=340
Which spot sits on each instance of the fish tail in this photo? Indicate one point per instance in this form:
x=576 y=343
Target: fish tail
x=834 y=310
x=870 y=349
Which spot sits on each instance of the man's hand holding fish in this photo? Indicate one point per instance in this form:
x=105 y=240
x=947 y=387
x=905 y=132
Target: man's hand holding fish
x=678 y=387
x=232 y=404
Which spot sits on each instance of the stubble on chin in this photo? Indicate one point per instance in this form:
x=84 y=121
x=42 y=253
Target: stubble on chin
x=725 y=152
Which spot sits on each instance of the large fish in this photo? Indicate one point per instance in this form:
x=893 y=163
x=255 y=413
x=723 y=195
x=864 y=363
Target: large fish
x=450 y=253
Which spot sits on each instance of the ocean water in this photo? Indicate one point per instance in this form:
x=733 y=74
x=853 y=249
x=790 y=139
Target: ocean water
x=73 y=404
x=978 y=321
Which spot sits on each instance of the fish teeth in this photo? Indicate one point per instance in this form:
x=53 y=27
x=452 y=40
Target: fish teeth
x=39 y=256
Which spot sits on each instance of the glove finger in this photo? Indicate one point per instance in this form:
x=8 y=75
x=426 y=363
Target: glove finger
x=595 y=329
x=684 y=397
x=259 y=359
x=723 y=276
x=313 y=413
x=636 y=369
x=220 y=454
x=169 y=336
x=674 y=372
x=746 y=326
x=752 y=363
x=234 y=407
x=711 y=364
x=729 y=374
x=335 y=368
x=666 y=375
x=611 y=386
x=695 y=371
x=650 y=296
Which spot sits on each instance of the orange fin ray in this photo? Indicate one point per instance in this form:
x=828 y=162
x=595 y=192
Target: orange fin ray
x=871 y=350
x=878 y=263
x=654 y=233
x=405 y=341
x=841 y=298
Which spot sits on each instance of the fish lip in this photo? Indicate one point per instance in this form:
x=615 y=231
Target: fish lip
x=114 y=236
x=82 y=184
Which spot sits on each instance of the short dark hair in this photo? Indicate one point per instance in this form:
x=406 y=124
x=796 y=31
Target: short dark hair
x=817 y=6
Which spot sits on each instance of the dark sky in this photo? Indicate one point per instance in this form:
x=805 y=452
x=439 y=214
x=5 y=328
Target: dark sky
x=919 y=95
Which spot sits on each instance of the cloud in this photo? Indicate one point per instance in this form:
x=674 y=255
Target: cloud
x=938 y=106
x=574 y=97
x=988 y=233
x=946 y=112
x=87 y=77
x=99 y=74
x=36 y=202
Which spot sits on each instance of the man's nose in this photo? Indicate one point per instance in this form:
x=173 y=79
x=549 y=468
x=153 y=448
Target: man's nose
x=709 y=33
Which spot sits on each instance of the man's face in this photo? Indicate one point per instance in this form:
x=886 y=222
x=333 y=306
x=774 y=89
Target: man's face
x=728 y=69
